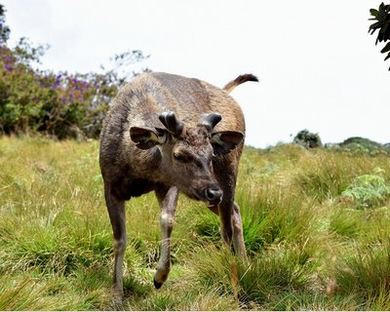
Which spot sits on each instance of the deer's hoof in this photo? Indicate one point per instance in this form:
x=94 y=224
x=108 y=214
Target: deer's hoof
x=117 y=302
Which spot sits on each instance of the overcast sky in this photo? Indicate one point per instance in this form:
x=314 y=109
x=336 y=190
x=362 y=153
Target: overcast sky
x=318 y=67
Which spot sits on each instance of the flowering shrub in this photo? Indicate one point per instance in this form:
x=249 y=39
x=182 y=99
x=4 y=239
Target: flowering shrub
x=57 y=104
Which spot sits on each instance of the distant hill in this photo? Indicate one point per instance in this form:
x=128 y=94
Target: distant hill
x=360 y=144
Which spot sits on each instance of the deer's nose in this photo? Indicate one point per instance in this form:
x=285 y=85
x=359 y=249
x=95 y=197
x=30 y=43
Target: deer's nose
x=213 y=195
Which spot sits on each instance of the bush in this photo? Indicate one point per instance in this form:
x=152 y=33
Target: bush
x=368 y=190
x=307 y=139
x=56 y=104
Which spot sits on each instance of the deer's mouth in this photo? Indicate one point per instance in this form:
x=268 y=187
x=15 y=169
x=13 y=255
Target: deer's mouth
x=200 y=195
x=195 y=194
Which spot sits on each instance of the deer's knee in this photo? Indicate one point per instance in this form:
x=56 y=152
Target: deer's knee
x=167 y=220
x=120 y=245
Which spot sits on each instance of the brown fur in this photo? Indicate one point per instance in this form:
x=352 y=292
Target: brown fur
x=184 y=163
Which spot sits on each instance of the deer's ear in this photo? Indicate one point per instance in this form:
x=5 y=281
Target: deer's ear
x=146 y=138
x=224 y=141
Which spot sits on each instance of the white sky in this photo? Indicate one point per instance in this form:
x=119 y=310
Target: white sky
x=318 y=67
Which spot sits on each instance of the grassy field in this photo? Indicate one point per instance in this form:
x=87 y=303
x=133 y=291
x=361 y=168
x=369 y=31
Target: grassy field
x=316 y=226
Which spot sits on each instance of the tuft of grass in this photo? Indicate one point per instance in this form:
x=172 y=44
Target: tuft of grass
x=271 y=216
x=345 y=223
x=366 y=274
x=260 y=279
x=324 y=176
x=21 y=295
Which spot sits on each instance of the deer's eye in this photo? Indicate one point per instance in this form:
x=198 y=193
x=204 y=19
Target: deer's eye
x=183 y=157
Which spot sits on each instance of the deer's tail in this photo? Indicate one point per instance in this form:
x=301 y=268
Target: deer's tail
x=239 y=80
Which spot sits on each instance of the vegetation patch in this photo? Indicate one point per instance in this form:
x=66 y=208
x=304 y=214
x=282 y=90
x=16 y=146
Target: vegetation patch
x=368 y=190
x=310 y=246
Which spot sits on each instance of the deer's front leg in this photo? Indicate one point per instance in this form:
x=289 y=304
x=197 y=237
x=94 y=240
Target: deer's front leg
x=167 y=199
x=238 y=235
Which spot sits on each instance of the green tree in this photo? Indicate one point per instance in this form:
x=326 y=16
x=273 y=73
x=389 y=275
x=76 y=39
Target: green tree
x=382 y=24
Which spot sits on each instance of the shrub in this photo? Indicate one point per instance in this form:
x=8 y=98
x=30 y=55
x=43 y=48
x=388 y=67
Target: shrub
x=368 y=190
x=57 y=104
x=307 y=139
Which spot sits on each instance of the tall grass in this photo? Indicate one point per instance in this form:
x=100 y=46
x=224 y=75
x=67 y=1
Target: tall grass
x=309 y=246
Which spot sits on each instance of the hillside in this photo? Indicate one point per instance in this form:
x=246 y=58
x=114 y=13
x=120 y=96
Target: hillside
x=316 y=226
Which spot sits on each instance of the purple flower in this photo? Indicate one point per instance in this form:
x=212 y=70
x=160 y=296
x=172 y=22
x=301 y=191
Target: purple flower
x=8 y=67
x=8 y=59
x=57 y=82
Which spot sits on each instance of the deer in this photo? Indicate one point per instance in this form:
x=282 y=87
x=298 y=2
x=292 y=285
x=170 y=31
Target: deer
x=172 y=134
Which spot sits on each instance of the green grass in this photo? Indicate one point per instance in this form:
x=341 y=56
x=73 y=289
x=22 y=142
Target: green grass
x=310 y=245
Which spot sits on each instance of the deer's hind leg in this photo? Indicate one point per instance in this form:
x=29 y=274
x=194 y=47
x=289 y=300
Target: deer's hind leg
x=116 y=212
x=228 y=210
